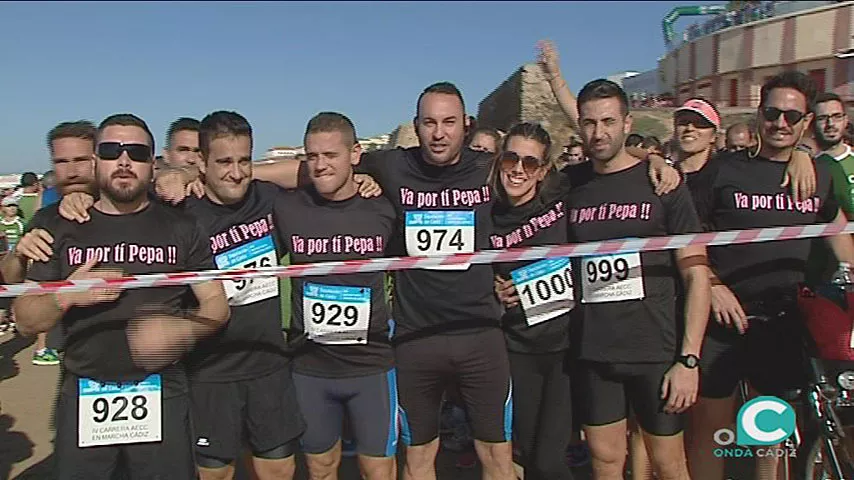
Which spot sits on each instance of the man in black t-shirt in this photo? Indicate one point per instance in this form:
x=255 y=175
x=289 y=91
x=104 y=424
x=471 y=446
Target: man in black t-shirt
x=240 y=378
x=344 y=364
x=758 y=280
x=627 y=337
x=241 y=385
x=123 y=403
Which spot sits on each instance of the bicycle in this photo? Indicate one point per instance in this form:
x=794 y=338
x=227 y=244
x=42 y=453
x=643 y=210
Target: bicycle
x=818 y=439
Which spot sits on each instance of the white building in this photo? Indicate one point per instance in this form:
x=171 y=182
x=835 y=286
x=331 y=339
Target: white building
x=282 y=153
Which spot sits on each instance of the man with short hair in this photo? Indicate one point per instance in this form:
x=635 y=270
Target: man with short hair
x=634 y=140
x=759 y=281
x=630 y=350
x=123 y=406
x=240 y=378
x=182 y=143
x=652 y=144
x=829 y=126
x=344 y=363
x=738 y=137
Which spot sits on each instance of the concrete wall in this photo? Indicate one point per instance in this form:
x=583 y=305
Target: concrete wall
x=804 y=40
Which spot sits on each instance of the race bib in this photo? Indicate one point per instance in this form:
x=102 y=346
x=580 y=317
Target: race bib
x=115 y=414
x=545 y=289
x=259 y=253
x=612 y=278
x=336 y=315
x=434 y=233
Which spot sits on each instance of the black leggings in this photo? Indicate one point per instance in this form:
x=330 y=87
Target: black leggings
x=542 y=414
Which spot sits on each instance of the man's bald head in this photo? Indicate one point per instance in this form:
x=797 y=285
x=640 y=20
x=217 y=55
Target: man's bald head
x=738 y=137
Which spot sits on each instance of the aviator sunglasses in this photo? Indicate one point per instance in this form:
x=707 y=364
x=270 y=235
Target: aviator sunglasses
x=529 y=164
x=792 y=117
x=137 y=152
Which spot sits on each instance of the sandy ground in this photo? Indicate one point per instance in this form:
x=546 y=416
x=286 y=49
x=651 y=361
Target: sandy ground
x=27 y=394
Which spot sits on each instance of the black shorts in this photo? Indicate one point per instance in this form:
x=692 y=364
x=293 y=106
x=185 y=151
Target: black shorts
x=769 y=355
x=370 y=403
x=610 y=389
x=476 y=362
x=263 y=411
x=171 y=458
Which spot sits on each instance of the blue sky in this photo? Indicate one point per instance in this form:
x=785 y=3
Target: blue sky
x=280 y=63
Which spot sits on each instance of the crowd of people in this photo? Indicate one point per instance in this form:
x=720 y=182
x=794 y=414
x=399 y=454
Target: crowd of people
x=639 y=351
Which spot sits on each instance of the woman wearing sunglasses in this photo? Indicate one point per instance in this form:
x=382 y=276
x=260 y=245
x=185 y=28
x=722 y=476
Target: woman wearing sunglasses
x=536 y=319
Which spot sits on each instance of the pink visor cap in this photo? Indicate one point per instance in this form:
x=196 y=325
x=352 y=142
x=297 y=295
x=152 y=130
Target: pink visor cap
x=703 y=108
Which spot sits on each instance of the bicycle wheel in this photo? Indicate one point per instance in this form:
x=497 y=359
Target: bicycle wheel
x=818 y=462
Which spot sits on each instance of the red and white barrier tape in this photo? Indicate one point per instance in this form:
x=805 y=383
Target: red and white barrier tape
x=406 y=263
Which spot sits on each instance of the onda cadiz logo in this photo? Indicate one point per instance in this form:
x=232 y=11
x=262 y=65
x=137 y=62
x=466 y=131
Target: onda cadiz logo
x=762 y=421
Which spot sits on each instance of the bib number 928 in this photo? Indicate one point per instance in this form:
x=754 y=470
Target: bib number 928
x=331 y=313
x=604 y=269
x=102 y=408
x=545 y=288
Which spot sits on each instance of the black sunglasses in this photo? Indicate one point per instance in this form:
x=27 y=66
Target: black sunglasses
x=771 y=114
x=137 y=152
x=529 y=164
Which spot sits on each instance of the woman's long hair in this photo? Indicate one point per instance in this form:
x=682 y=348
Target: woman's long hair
x=528 y=130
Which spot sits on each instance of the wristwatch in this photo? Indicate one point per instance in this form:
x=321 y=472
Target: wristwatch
x=690 y=361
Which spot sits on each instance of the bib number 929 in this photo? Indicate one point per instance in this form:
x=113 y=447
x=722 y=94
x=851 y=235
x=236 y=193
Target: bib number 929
x=543 y=289
x=604 y=269
x=331 y=313
x=102 y=408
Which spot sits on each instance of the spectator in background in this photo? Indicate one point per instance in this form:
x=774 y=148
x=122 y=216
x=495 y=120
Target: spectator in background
x=652 y=144
x=573 y=154
x=182 y=143
x=720 y=142
x=12 y=230
x=50 y=194
x=28 y=201
x=738 y=137
x=485 y=140
x=634 y=140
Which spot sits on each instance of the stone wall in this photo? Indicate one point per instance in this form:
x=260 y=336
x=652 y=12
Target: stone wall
x=403 y=136
x=526 y=97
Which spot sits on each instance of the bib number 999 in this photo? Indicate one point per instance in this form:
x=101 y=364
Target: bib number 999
x=101 y=408
x=604 y=269
x=544 y=289
x=319 y=312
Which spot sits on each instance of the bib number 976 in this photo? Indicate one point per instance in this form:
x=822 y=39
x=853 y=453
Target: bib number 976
x=603 y=269
x=334 y=311
x=101 y=407
x=545 y=288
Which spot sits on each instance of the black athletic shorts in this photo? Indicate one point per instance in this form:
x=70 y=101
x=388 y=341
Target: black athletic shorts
x=370 y=403
x=609 y=389
x=769 y=355
x=476 y=362
x=262 y=411
x=169 y=459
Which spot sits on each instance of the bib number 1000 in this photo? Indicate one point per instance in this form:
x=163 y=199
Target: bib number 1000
x=543 y=289
x=603 y=269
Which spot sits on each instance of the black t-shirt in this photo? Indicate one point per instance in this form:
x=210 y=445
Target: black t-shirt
x=348 y=308
x=746 y=194
x=698 y=183
x=43 y=217
x=139 y=244
x=633 y=320
x=447 y=210
x=546 y=287
x=242 y=235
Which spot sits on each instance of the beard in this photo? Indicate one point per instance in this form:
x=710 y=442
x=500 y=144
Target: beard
x=132 y=190
x=828 y=143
